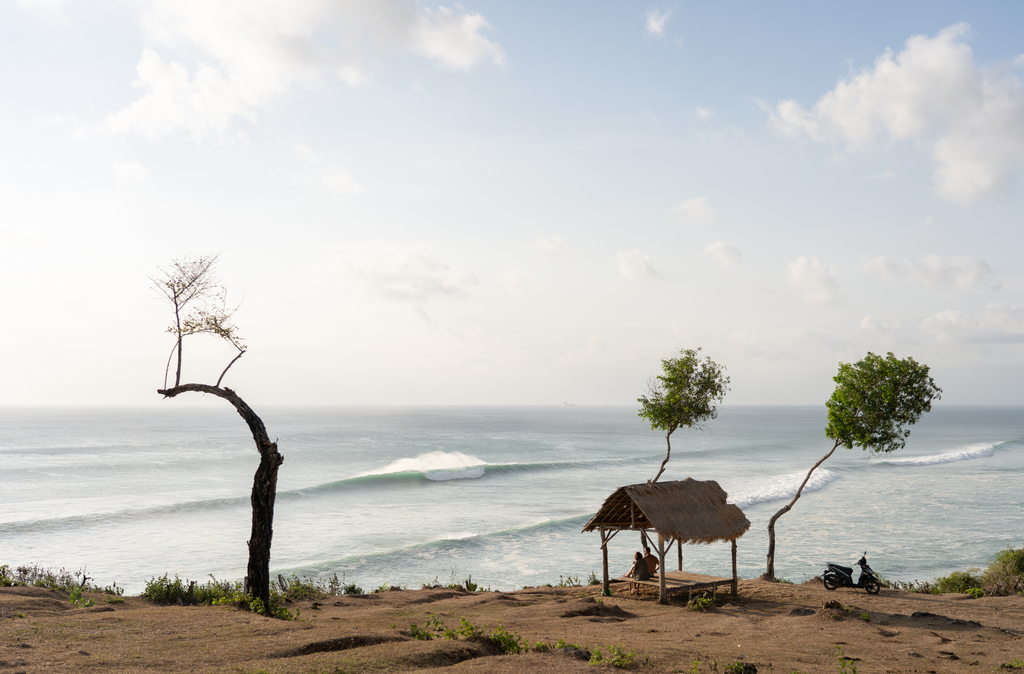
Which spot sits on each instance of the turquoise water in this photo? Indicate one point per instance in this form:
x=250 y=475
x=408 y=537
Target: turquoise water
x=405 y=495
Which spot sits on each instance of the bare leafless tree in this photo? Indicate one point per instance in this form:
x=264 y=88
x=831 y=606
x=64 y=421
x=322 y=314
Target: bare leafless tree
x=200 y=306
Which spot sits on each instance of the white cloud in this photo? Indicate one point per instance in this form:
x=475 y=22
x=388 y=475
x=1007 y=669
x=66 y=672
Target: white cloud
x=725 y=255
x=454 y=38
x=934 y=95
x=517 y=281
x=655 y=23
x=875 y=325
x=551 y=245
x=129 y=173
x=695 y=212
x=815 y=280
x=323 y=174
x=198 y=104
x=403 y=274
x=999 y=323
x=703 y=114
x=635 y=266
x=960 y=272
x=257 y=50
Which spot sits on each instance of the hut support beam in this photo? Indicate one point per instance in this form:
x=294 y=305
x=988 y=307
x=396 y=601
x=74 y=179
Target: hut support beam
x=735 y=581
x=679 y=551
x=662 y=590
x=606 y=591
x=605 y=537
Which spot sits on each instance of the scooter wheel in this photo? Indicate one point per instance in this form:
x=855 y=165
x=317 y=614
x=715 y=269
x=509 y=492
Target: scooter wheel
x=830 y=581
x=872 y=587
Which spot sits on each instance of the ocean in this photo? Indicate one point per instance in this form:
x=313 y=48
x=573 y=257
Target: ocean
x=413 y=495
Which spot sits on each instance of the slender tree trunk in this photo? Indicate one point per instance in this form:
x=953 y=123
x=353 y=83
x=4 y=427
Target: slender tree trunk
x=769 y=573
x=264 y=488
x=668 y=454
x=177 y=372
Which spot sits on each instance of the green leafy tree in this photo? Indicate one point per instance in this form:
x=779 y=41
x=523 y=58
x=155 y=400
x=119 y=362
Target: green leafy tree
x=686 y=394
x=875 y=401
x=200 y=307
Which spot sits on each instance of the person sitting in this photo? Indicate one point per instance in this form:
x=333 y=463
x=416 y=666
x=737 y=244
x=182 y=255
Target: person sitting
x=639 y=571
x=652 y=561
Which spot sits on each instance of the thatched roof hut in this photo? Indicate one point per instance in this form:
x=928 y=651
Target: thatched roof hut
x=684 y=511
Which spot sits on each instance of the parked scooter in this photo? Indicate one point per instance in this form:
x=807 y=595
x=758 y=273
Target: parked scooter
x=842 y=576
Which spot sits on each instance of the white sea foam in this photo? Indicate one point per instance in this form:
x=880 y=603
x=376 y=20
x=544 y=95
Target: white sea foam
x=438 y=466
x=747 y=491
x=970 y=452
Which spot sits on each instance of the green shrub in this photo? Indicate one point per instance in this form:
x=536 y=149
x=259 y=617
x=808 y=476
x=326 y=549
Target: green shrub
x=618 y=657
x=701 y=603
x=351 y=588
x=508 y=642
x=1005 y=572
x=215 y=593
x=592 y=579
x=958 y=581
x=78 y=600
x=420 y=633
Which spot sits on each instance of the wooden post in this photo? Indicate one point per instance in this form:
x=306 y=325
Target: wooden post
x=662 y=590
x=606 y=592
x=735 y=582
x=679 y=551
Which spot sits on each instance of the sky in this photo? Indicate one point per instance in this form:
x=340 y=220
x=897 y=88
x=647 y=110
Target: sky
x=511 y=203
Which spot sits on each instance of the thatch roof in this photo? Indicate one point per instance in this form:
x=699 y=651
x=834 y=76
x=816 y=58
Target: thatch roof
x=689 y=510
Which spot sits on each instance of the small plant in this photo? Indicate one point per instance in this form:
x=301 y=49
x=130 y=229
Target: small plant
x=467 y=629
x=846 y=665
x=420 y=633
x=975 y=592
x=571 y=581
x=592 y=579
x=508 y=642
x=1016 y=663
x=351 y=588
x=619 y=658
x=865 y=616
x=695 y=667
x=736 y=668
x=701 y=603
x=77 y=599
x=116 y=600
x=383 y=588
x=542 y=647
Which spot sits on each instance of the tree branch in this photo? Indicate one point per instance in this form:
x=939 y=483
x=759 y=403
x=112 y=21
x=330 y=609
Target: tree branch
x=240 y=354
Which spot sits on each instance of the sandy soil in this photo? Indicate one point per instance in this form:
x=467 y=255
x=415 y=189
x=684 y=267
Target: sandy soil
x=776 y=628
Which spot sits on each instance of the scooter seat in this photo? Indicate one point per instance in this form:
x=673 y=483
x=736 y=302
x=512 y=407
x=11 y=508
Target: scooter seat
x=844 y=569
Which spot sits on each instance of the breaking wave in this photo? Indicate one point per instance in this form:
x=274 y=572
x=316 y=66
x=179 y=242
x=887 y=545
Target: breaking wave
x=745 y=491
x=978 y=451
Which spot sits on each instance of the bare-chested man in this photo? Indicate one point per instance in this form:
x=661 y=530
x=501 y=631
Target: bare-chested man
x=652 y=561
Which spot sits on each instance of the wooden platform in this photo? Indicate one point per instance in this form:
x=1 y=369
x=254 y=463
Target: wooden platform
x=681 y=581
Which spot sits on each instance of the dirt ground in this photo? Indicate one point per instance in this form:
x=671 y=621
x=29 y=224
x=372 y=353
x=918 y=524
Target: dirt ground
x=775 y=628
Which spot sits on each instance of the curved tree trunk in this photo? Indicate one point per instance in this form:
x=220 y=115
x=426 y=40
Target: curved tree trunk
x=668 y=455
x=769 y=573
x=264 y=488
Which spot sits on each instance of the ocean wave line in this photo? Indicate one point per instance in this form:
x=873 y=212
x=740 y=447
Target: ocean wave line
x=443 y=467
x=747 y=491
x=978 y=451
